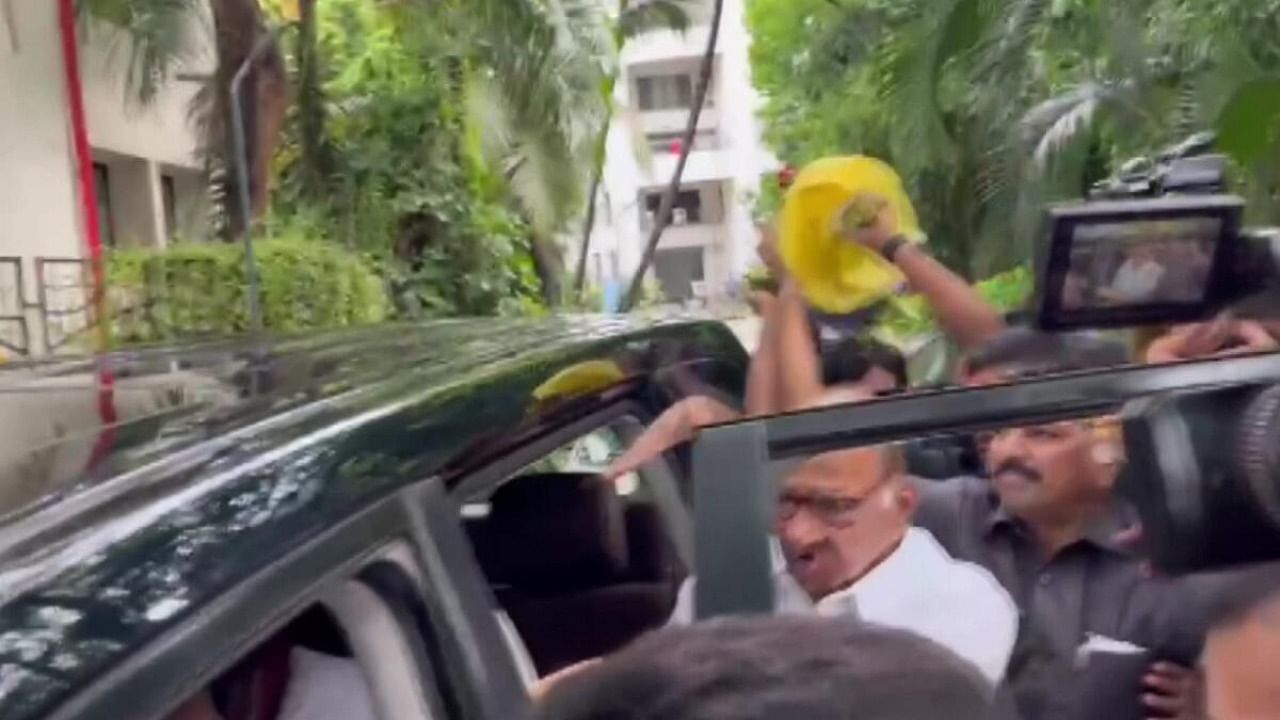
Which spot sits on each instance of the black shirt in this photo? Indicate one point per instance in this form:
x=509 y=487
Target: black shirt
x=1089 y=587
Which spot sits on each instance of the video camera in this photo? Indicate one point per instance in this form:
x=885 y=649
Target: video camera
x=1163 y=243
x=1160 y=243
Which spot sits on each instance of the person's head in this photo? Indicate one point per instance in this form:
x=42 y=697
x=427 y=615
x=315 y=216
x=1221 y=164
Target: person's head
x=1055 y=471
x=1045 y=471
x=841 y=513
x=1021 y=352
x=1245 y=635
x=867 y=364
x=1141 y=252
x=774 y=668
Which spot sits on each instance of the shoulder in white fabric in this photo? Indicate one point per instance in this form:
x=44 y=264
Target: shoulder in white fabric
x=325 y=687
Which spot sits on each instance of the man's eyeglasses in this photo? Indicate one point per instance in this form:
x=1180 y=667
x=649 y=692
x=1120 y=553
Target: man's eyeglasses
x=832 y=511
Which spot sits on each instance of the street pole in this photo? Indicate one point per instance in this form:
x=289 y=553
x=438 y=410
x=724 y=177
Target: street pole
x=241 y=160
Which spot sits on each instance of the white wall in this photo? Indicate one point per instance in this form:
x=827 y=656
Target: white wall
x=159 y=131
x=736 y=163
x=40 y=213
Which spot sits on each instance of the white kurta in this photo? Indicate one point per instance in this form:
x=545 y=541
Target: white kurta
x=918 y=588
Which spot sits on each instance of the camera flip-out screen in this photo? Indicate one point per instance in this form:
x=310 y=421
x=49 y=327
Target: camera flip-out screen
x=1123 y=263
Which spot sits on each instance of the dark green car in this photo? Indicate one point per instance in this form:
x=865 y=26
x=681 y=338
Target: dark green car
x=176 y=522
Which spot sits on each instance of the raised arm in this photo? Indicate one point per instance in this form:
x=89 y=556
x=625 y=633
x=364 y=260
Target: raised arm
x=678 y=424
x=799 y=376
x=762 y=377
x=960 y=309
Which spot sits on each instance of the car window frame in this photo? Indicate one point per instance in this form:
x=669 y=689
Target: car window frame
x=158 y=676
x=735 y=465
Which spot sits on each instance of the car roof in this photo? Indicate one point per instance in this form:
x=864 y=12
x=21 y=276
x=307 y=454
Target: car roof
x=218 y=458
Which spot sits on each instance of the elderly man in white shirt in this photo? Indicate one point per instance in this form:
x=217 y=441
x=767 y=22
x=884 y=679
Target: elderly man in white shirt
x=847 y=548
x=1137 y=278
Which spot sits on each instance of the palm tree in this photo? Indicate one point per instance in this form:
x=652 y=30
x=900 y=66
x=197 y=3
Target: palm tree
x=535 y=69
x=663 y=216
x=1054 y=92
x=634 y=19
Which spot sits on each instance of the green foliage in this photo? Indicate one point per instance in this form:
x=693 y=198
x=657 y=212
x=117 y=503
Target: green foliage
x=990 y=108
x=534 y=96
x=193 y=290
x=403 y=186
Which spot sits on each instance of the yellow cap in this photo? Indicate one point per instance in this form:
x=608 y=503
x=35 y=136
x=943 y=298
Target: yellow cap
x=836 y=275
x=580 y=379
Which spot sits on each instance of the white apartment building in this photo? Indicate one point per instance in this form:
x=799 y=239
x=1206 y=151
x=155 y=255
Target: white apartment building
x=711 y=242
x=149 y=185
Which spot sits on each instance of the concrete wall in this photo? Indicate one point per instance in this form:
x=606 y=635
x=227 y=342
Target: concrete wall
x=40 y=213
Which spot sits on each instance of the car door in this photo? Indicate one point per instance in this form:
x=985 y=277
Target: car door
x=386 y=605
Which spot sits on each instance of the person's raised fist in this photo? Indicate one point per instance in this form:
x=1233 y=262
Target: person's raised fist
x=868 y=220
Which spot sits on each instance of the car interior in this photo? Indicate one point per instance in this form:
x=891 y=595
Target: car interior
x=579 y=566
x=578 y=569
x=343 y=656
x=255 y=687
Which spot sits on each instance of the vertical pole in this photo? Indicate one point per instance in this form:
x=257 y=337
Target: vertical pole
x=92 y=230
x=84 y=169
x=241 y=157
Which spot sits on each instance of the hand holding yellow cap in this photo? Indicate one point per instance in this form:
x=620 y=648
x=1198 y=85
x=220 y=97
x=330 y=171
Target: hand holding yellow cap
x=835 y=219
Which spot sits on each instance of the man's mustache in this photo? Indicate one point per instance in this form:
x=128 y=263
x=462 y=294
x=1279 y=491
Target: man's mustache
x=1017 y=467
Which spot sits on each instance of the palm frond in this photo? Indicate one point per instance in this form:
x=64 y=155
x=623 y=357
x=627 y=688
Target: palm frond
x=156 y=34
x=1057 y=122
x=535 y=100
x=915 y=61
x=643 y=16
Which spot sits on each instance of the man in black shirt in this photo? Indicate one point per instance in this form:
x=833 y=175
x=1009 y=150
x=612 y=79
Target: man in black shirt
x=1045 y=524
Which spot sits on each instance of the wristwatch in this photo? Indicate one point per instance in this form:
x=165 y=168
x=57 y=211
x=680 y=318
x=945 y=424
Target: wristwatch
x=892 y=246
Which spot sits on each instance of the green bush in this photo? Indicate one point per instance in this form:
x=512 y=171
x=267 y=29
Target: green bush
x=194 y=290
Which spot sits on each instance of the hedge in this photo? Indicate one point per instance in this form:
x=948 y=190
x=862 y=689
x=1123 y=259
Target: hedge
x=194 y=290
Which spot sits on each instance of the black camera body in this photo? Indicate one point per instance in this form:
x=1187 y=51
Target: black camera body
x=1159 y=244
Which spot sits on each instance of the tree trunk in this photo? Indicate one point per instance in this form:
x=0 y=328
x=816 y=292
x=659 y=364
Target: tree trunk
x=602 y=152
x=239 y=27
x=315 y=161
x=548 y=263
x=690 y=132
x=580 y=276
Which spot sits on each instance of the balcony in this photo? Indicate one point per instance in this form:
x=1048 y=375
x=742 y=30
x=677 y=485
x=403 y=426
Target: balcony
x=695 y=235
x=712 y=165
x=661 y=122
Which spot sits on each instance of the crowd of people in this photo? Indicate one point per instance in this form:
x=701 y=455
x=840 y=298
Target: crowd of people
x=1023 y=572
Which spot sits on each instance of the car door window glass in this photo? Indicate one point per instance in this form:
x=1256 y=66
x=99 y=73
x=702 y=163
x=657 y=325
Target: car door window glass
x=556 y=540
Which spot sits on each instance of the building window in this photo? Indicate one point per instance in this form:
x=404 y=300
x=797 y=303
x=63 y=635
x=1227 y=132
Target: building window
x=102 y=188
x=168 y=189
x=665 y=92
x=686 y=210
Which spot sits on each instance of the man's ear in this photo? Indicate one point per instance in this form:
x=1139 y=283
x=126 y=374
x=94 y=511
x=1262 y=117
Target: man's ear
x=1107 y=452
x=1107 y=441
x=905 y=498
